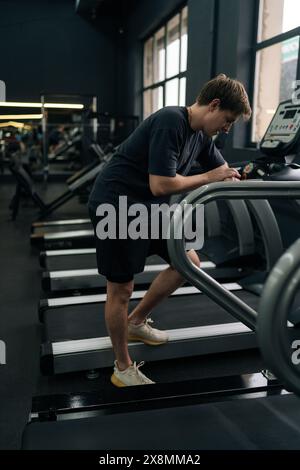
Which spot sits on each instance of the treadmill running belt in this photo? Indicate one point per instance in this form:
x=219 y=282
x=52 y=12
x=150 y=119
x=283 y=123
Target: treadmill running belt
x=62 y=228
x=84 y=261
x=249 y=424
x=87 y=320
x=64 y=263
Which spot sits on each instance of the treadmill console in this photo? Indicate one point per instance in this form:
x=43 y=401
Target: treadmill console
x=283 y=133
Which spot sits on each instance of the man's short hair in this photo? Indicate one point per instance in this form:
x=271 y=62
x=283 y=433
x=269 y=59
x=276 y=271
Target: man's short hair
x=231 y=93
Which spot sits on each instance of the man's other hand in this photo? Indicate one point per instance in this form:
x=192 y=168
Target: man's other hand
x=223 y=173
x=231 y=179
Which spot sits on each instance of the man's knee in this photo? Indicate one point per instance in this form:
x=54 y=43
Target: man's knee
x=194 y=258
x=120 y=291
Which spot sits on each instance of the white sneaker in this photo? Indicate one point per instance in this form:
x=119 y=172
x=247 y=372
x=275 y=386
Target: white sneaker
x=268 y=374
x=145 y=333
x=130 y=376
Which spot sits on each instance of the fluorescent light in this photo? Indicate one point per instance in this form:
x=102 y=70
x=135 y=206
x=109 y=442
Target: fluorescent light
x=15 y=104
x=64 y=105
x=20 y=125
x=21 y=116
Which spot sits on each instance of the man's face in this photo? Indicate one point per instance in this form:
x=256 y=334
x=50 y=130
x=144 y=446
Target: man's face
x=218 y=120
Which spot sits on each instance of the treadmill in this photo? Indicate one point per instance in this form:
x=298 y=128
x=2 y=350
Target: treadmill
x=78 y=238
x=269 y=420
x=75 y=184
x=84 y=238
x=84 y=258
x=70 y=343
x=58 y=154
x=49 y=233
x=225 y=255
x=246 y=412
x=264 y=423
x=239 y=244
x=81 y=280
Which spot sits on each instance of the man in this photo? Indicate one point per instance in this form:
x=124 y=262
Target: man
x=150 y=166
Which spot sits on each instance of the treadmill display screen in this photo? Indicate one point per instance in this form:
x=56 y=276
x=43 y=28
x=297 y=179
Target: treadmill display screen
x=290 y=114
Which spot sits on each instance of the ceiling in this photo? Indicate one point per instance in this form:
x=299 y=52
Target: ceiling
x=104 y=8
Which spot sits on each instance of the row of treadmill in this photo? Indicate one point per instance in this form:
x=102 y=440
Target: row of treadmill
x=250 y=227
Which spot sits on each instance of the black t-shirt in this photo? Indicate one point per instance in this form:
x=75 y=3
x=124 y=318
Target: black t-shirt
x=163 y=144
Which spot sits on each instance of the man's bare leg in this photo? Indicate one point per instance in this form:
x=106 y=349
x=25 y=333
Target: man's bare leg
x=163 y=285
x=116 y=318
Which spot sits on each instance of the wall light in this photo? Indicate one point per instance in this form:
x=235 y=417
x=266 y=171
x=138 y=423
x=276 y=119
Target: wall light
x=15 y=104
x=19 y=125
x=21 y=116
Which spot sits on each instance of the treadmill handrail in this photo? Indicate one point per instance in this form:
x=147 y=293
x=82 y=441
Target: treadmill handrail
x=269 y=229
x=275 y=310
x=203 y=195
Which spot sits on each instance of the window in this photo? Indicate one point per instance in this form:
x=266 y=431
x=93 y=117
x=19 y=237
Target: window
x=165 y=64
x=276 y=64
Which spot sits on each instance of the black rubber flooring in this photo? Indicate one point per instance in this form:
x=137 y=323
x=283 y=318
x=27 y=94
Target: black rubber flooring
x=19 y=326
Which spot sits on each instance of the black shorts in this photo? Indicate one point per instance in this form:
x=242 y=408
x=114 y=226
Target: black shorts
x=120 y=259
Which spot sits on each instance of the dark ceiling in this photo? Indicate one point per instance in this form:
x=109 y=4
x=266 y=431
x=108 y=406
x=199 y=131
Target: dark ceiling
x=104 y=8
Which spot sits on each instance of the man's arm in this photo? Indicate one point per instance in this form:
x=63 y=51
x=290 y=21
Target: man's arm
x=165 y=185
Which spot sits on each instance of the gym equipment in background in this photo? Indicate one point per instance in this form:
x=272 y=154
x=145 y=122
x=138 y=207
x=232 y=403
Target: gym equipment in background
x=75 y=184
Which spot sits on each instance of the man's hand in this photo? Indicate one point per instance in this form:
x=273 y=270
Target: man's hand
x=223 y=173
x=165 y=185
x=231 y=179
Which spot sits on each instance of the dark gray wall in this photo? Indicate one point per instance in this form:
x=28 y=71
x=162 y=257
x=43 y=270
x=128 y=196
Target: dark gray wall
x=234 y=56
x=200 y=45
x=46 y=46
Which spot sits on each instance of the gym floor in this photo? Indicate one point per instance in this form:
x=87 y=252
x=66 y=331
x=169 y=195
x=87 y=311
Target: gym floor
x=22 y=333
x=19 y=326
